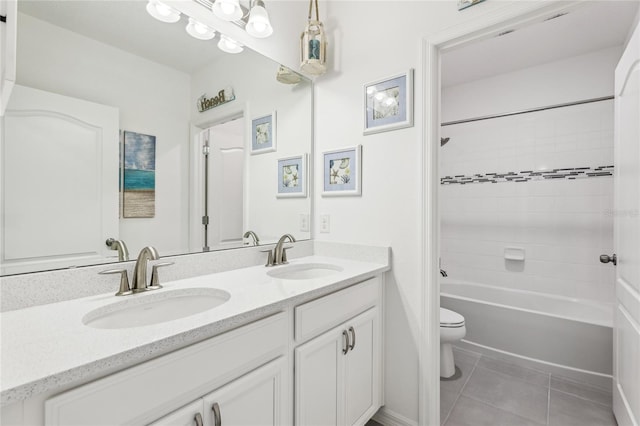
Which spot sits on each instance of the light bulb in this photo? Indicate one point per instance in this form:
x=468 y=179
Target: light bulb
x=259 y=25
x=162 y=12
x=227 y=8
x=229 y=45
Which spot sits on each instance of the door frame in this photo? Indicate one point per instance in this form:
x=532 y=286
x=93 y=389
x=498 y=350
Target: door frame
x=511 y=15
x=196 y=169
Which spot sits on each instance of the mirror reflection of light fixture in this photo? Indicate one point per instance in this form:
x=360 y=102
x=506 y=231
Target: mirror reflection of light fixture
x=228 y=10
x=162 y=12
x=229 y=45
x=199 y=30
x=259 y=25
x=313 y=45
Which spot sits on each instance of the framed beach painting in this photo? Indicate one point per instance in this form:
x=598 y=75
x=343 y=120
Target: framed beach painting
x=389 y=103
x=292 y=177
x=342 y=172
x=263 y=133
x=139 y=175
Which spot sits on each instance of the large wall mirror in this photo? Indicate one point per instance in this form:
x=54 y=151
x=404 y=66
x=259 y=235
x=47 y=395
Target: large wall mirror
x=104 y=137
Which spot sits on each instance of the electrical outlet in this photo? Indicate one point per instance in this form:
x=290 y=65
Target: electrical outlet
x=304 y=222
x=325 y=223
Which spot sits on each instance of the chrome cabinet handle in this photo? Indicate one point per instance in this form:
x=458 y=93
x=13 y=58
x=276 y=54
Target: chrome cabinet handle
x=353 y=338
x=217 y=419
x=198 y=419
x=345 y=342
x=125 y=289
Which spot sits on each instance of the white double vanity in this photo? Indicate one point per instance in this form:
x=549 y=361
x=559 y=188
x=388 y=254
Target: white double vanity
x=292 y=344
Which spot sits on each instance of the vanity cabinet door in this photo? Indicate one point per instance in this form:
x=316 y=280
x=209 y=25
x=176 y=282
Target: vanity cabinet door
x=318 y=372
x=189 y=415
x=361 y=369
x=254 y=399
x=337 y=376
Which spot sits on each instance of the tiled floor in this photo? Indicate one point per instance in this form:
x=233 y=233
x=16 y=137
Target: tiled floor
x=494 y=393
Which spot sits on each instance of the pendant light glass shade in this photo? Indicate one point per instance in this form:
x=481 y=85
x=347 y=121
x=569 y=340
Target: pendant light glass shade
x=259 y=25
x=313 y=45
x=162 y=12
x=199 y=30
x=229 y=45
x=228 y=10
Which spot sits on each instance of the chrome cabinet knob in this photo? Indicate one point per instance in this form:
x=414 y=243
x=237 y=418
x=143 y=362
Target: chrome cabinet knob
x=605 y=258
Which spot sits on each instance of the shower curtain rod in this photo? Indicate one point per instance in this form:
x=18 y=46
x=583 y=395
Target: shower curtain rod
x=508 y=114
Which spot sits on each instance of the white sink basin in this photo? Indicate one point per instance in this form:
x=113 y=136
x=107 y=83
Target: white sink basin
x=154 y=308
x=304 y=271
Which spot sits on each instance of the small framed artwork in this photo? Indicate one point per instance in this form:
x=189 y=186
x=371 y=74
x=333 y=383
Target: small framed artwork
x=389 y=103
x=292 y=177
x=138 y=175
x=263 y=134
x=342 y=171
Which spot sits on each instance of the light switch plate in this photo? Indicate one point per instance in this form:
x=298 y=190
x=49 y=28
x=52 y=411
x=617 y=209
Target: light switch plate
x=304 y=222
x=325 y=223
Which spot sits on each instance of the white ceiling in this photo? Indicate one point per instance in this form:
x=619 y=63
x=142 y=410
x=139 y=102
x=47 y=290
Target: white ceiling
x=126 y=25
x=593 y=26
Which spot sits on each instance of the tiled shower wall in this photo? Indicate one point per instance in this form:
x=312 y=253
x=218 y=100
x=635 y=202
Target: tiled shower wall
x=562 y=219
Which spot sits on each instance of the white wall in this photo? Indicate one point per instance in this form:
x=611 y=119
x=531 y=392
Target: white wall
x=253 y=78
x=152 y=99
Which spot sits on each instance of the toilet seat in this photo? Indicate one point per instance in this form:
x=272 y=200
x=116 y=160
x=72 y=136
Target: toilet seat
x=450 y=319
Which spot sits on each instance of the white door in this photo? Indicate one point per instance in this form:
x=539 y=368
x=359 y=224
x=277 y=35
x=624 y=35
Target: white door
x=626 y=351
x=60 y=181
x=254 y=399
x=189 y=415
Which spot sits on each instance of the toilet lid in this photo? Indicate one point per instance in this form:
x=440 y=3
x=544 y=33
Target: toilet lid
x=450 y=319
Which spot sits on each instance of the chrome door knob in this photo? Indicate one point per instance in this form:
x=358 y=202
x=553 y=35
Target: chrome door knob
x=605 y=258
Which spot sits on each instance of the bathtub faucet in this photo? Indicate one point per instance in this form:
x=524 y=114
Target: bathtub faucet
x=443 y=272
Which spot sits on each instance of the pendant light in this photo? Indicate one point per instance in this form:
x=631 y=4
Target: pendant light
x=162 y=12
x=199 y=30
x=259 y=25
x=229 y=45
x=313 y=45
x=228 y=10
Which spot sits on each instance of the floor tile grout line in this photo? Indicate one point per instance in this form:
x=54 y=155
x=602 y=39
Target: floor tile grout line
x=519 y=379
x=502 y=409
x=583 y=398
x=460 y=393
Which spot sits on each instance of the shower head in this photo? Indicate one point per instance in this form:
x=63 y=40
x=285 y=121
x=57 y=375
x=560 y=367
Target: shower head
x=443 y=141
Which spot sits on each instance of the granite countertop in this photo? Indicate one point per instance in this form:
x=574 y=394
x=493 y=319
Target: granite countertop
x=46 y=347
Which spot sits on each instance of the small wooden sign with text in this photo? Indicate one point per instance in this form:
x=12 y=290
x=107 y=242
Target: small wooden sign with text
x=222 y=97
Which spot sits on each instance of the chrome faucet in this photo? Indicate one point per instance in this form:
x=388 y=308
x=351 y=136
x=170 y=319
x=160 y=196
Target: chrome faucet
x=254 y=236
x=139 y=280
x=123 y=253
x=279 y=254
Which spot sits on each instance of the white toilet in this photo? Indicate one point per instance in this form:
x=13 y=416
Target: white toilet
x=452 y=329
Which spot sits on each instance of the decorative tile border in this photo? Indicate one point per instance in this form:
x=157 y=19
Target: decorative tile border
x=530 y=175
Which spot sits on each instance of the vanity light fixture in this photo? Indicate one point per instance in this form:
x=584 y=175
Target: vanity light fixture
x=259 y=25
x=228 y=10
x=313 y=45
x=162 y=12
x=229 y=45
x=199 y=30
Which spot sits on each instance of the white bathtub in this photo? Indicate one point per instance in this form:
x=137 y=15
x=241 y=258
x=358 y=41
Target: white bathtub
x=559 y=335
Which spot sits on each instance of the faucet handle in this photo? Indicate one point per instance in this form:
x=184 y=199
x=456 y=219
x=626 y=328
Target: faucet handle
x=284 y=254
x=124 y=280
x=269 y=257
x=155 y=280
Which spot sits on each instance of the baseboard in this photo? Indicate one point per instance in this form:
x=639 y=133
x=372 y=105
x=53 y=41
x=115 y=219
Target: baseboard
x=388 y=418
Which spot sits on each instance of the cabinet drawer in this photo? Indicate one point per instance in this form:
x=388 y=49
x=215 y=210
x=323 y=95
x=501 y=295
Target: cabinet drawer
x=150 y=390
x=319 y=315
